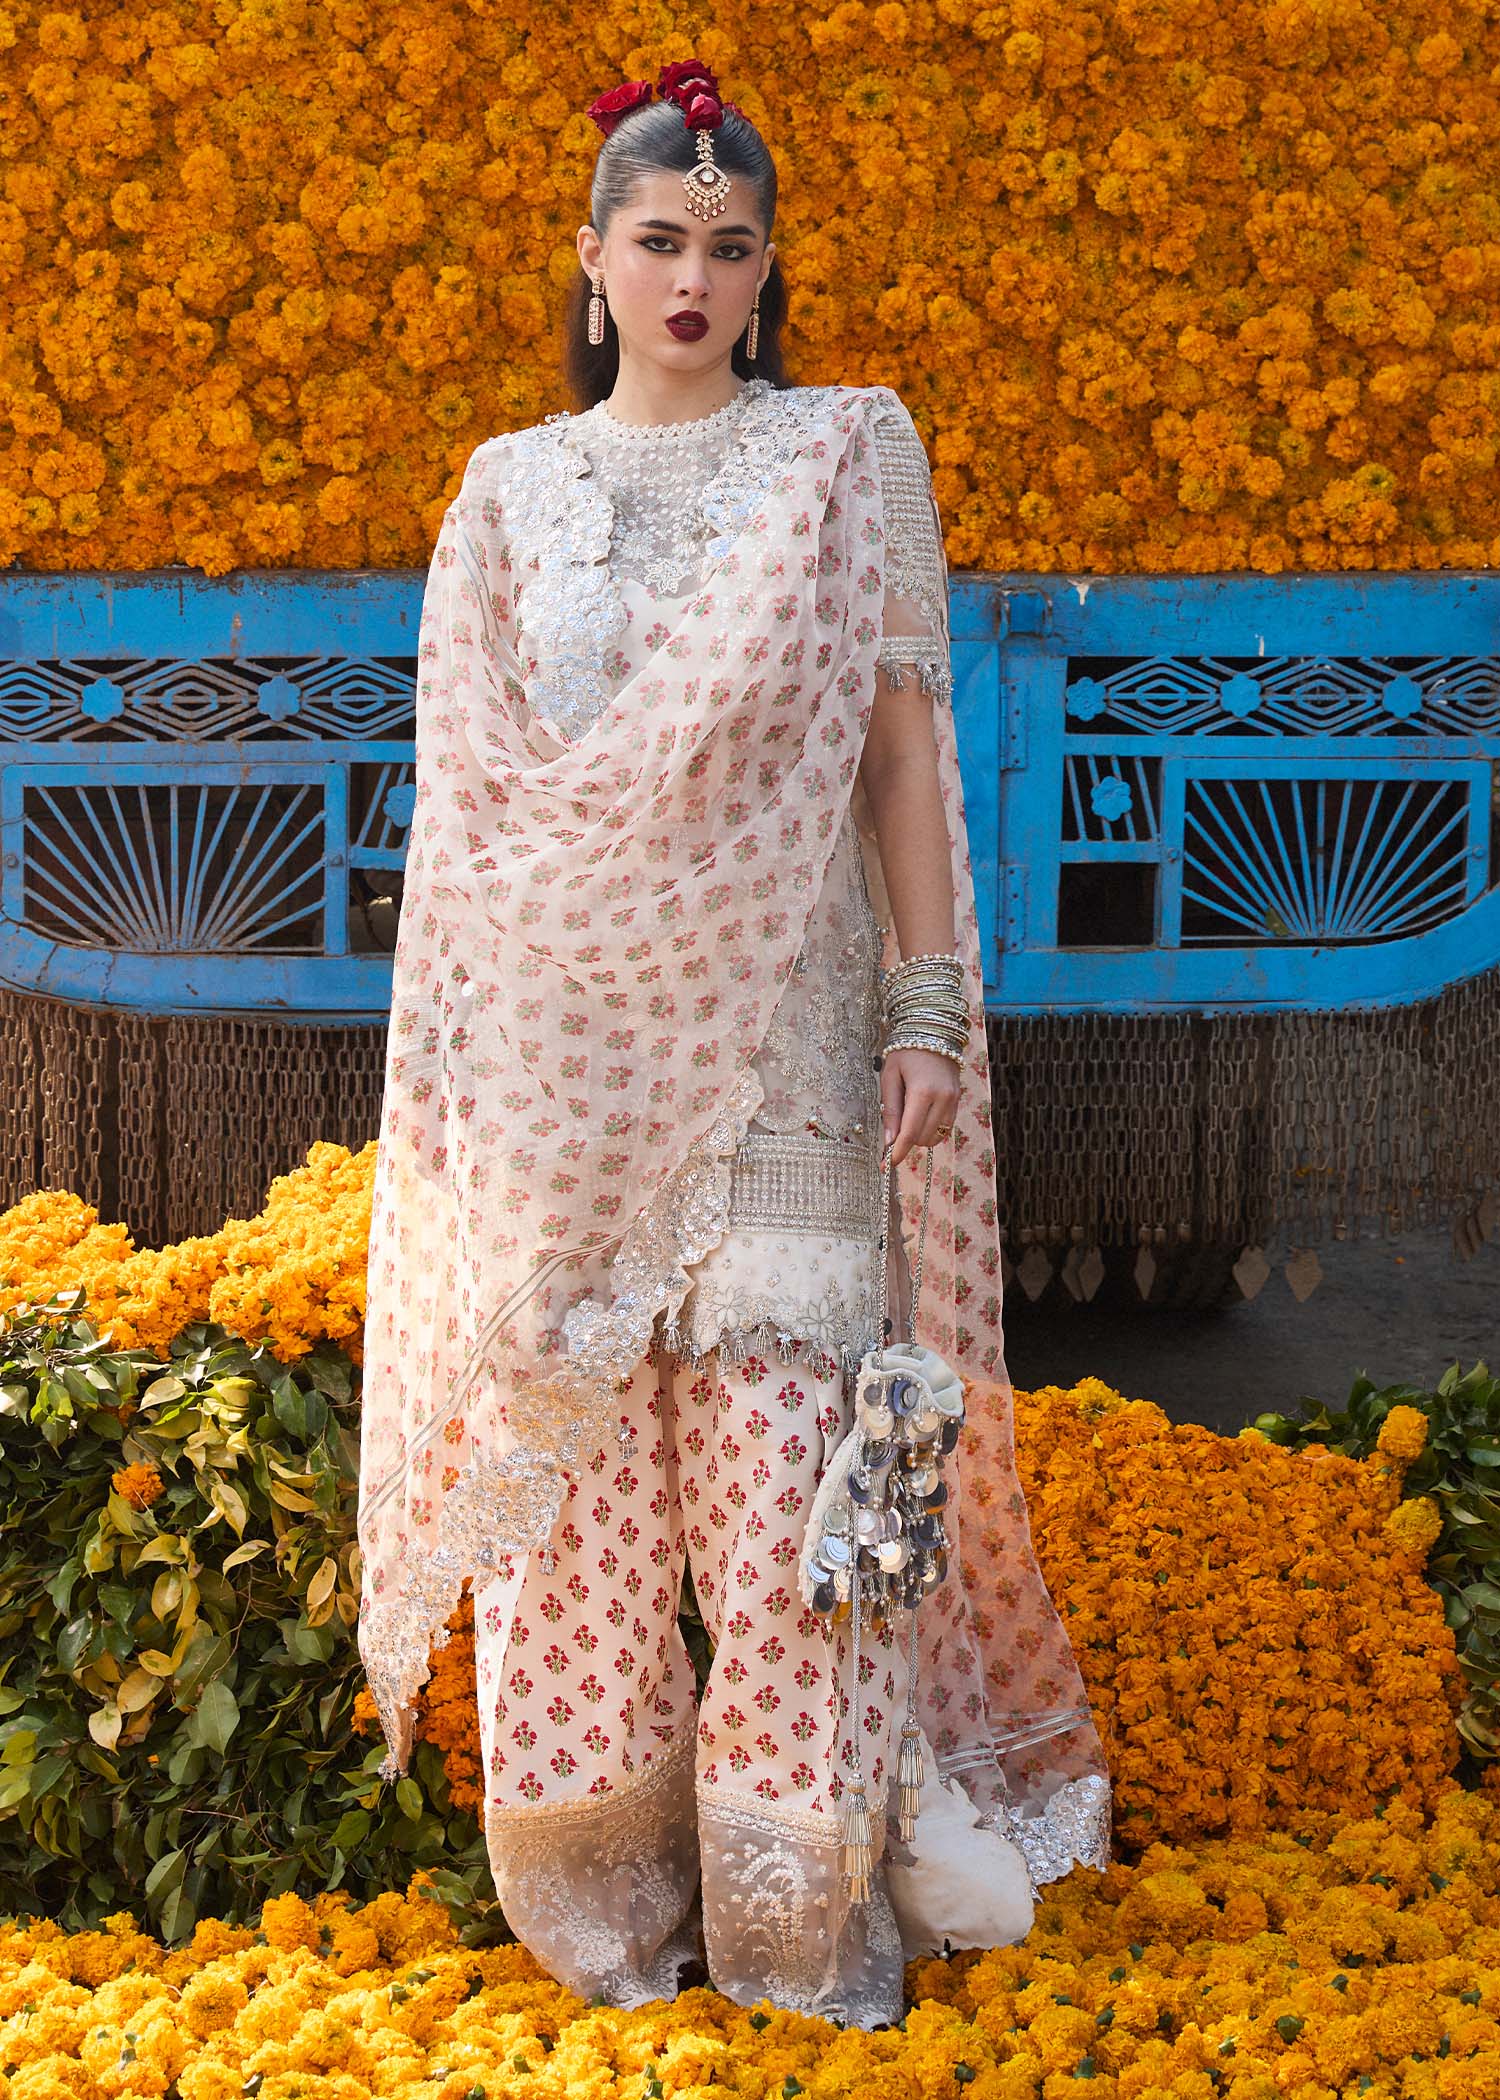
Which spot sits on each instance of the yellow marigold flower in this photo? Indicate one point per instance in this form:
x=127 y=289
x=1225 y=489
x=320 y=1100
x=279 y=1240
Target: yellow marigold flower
x=1224 y=102
x=1416 y=1525
x=1403 y=1434
x=212 y=2001
x=1439 y=54
x=287 y=1922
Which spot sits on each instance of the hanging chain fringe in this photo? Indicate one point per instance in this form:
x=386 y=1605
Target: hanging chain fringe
x=858 y=1849
x=1239 y=1126
x=909 y=1781
x=173 y=1124
x=1229 y=1130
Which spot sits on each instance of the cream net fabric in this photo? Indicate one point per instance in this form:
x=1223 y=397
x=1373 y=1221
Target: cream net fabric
x=613 y=871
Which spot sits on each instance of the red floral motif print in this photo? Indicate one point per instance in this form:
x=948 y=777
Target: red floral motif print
x=772 y=1655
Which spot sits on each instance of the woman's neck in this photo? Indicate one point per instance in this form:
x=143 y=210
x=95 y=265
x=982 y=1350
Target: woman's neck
x=653 y=395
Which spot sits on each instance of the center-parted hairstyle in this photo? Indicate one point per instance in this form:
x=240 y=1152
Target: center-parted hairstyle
x=645 y=137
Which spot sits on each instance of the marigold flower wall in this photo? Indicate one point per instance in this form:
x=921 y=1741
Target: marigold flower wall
x=1168 y=285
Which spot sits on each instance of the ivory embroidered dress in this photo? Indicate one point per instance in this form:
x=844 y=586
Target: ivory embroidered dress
x=624 y=1228
x=798 y=1262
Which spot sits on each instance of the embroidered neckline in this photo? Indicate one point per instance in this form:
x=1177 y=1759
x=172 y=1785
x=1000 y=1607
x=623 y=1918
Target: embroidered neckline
x=655 y=477
x=694 y=426
x=579 y=608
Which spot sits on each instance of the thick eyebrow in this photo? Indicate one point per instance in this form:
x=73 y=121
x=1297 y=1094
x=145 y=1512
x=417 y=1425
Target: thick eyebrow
x=676 y=226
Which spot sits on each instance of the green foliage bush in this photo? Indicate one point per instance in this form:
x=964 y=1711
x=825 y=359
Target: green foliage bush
x=177 y=1681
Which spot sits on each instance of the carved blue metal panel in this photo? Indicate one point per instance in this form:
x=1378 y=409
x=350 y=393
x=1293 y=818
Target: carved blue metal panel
x=205 y=788
x=1206 y=793
x=1226 y=793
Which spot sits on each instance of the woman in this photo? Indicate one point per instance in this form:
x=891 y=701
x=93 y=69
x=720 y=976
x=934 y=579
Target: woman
x=687 y=794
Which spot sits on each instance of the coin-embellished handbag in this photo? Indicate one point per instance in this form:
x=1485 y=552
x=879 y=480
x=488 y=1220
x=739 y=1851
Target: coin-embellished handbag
x=874 y=1542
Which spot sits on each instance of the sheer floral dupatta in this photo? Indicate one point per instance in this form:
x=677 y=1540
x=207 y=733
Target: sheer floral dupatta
x=604 y=899
x=593 y=939
x=1001 y=1697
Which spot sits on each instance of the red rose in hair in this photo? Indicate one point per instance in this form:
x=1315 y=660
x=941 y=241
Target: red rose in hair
x=704 y=112
x=684 y=71
x=608 y=108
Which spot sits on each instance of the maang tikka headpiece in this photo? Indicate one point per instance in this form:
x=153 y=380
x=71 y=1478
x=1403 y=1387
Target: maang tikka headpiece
x=690 y=84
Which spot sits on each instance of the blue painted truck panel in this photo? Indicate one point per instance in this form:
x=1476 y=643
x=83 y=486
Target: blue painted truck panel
x=1185 y=794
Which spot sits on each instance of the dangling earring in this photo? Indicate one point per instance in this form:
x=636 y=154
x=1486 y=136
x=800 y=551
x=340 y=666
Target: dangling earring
x=752 y=334
x=596 y=311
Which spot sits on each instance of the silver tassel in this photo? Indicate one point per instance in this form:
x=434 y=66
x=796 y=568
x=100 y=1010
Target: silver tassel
x=858 y=1856
x=909 y=1781
x=909 y=1762
x=858 y=1850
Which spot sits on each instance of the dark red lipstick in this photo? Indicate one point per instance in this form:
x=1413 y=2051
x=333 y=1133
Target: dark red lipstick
x=688 y=326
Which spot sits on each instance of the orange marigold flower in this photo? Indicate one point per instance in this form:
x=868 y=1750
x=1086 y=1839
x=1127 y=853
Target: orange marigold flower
x=139 y=1485
x=1403 y=1434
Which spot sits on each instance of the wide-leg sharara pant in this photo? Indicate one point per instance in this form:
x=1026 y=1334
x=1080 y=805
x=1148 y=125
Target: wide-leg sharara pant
x=620 y=1814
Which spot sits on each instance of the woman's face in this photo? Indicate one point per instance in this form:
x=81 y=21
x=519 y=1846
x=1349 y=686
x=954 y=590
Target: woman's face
x=661 y=261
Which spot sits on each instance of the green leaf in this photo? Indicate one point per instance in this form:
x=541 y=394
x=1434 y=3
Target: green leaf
x=207 y=1654
x=215 y=1717
x=73 y=1642
x=352 y=1828
x=409 y=1799
x=166 y=1875
x=251 y=1550
x=120 y=1601
x=310 y=1644
x=15 y=1787
x=292 y=1406
x=330 y=1374
x=177 y=1916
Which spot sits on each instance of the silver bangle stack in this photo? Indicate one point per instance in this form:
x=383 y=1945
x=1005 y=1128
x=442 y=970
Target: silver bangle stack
x=923 y=1006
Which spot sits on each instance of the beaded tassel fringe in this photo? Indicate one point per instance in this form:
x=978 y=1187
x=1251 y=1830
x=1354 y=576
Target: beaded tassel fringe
x=858 y=1851
x=909 y=1781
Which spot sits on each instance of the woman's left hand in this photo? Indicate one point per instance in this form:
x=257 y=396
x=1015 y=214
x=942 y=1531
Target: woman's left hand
x=918 y=1099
